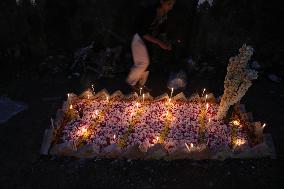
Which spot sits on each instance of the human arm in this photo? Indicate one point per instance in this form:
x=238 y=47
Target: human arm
x=161 y=44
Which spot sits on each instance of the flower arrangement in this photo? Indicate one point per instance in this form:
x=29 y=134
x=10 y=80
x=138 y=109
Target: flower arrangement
x=237 y=81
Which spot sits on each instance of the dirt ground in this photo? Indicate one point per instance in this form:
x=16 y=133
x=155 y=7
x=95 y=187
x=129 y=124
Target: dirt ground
x=21 y=165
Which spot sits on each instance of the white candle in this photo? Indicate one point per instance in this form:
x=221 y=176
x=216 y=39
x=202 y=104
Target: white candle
x=206 y=98
x=140 y=91
x=143 y=97
x=172 y=92
x=203 y=92
x=207 y=106
x=93 y=88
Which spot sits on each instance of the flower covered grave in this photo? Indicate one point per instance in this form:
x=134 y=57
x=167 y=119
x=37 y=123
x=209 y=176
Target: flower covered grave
x=142 y=127
x=145 y=128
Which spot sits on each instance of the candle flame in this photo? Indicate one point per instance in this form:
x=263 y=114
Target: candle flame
x=191 y=145
x=206 y=96
x=207 y=106
x=157 y=138
x=88 y=96
x=203 y=91
x=264 y=125
x=172 y=90
x=68 y=95
x=114 y=137
x=83 y=132
x=209 y=120
x=236 y=122
x=240 y=142
x=71 y=107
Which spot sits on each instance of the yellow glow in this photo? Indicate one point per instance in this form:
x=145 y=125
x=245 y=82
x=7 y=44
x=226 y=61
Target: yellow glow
x=207 y=106
x=88 y=96
x=71 y=107
x=236 y=122
x=83 y=132
x=240 y=142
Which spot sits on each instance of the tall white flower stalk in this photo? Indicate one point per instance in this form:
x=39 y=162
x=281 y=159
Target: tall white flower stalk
x=18 y=2
x=201 y=2
x=238 y=80
x=33 y=2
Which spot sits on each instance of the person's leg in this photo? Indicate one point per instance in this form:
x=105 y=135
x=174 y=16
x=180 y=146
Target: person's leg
x=141 y=61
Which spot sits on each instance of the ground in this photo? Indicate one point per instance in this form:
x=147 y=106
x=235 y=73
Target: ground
x=21 y=165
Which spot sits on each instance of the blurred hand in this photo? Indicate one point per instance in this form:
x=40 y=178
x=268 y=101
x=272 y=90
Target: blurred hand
x=165 y=46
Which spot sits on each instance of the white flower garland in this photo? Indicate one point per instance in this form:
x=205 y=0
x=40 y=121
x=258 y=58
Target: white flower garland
x=238 y=79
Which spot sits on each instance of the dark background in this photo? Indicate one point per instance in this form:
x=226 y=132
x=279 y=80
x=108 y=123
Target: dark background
x=52 y=31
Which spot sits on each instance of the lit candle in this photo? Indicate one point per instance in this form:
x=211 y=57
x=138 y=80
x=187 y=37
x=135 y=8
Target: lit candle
x=157 y=139
x=264 y=125
x=71 y=107
x=140 y=91
x=143 y=97
x=236 y=122
x=191 y=145
x=131 y=115
x=203 y=92
x=207 y=106
x=114 y=137
x=107 y=99
x=209 y=120
x=137 y=104
x=88 y=96
x=206 y=98
x=68 y=95
x=172 y=92
x=93 y=88
x=170 y=100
